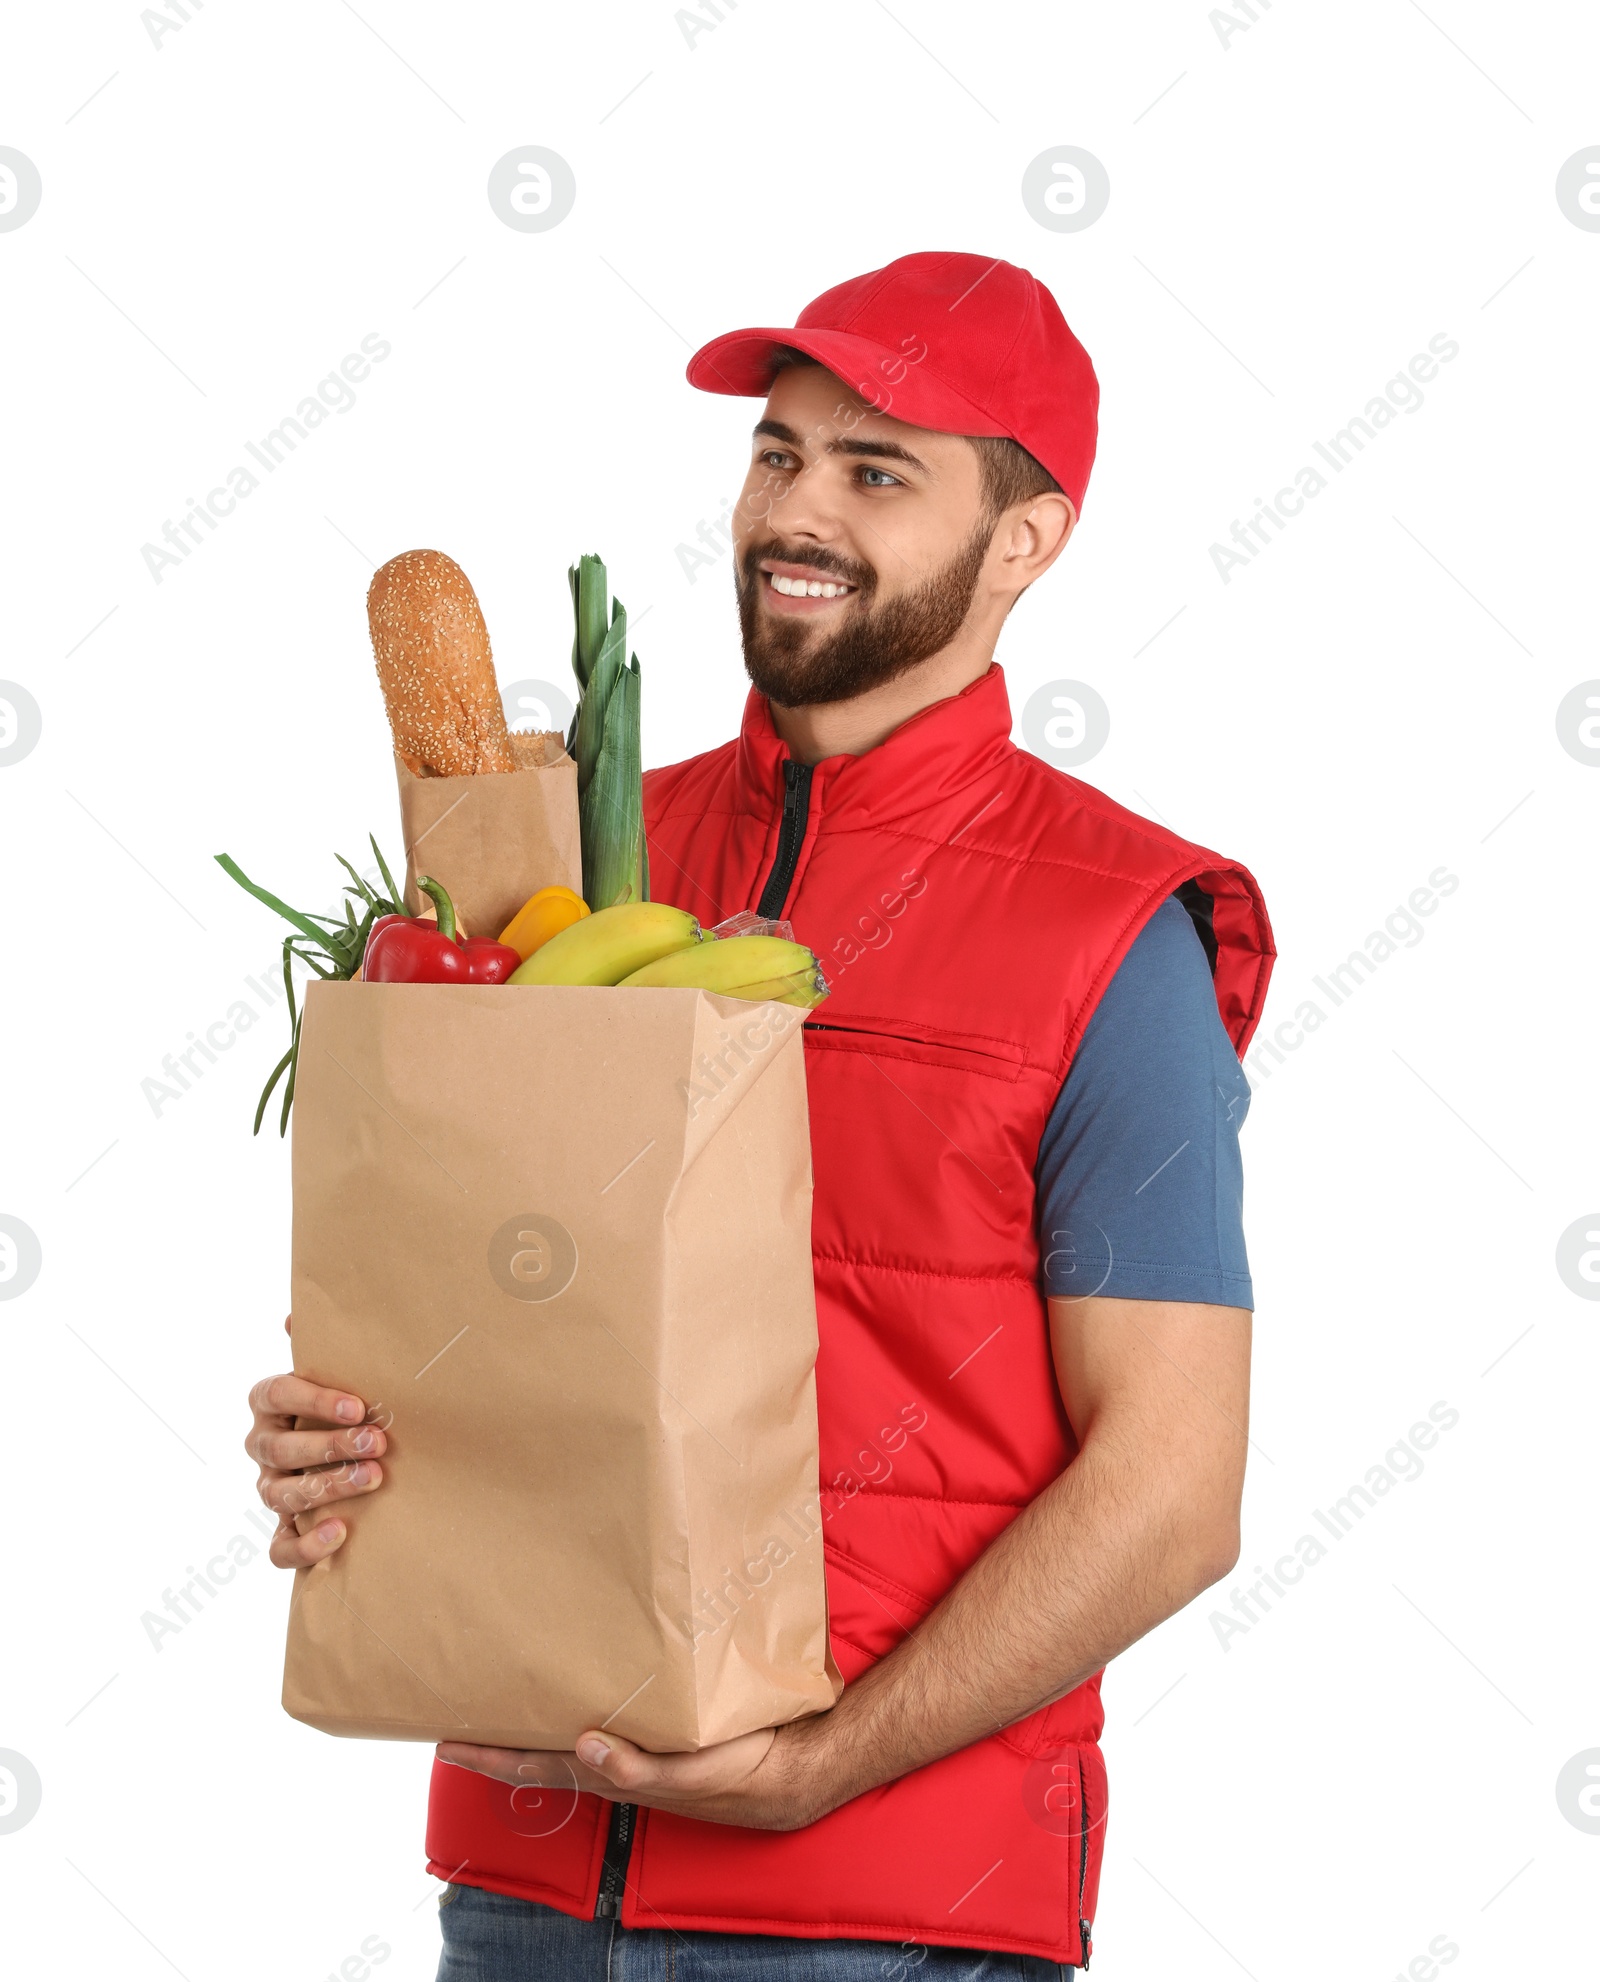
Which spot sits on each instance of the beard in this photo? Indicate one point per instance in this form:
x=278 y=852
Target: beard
x=792 y=664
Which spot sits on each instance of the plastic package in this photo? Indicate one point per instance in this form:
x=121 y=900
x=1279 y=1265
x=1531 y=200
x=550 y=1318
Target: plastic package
x=748 y=923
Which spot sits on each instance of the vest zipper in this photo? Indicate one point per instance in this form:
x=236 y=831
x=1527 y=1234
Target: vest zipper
x=614 y=1866
x=1085 y=1927
x=791 y=837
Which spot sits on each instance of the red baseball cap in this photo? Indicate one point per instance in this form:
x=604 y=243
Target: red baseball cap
x=962 y=344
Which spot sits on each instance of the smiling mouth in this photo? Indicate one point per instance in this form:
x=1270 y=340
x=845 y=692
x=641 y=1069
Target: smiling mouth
x=806 y=588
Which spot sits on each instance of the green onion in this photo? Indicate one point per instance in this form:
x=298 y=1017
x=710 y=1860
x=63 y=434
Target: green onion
x=332 y=950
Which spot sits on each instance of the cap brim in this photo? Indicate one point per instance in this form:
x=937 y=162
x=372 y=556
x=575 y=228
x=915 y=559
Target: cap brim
x=745 y=362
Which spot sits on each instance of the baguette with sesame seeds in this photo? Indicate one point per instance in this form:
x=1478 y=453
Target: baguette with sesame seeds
x=436 y=669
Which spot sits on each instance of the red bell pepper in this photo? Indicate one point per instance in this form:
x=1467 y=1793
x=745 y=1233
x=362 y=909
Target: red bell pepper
x=403 y=949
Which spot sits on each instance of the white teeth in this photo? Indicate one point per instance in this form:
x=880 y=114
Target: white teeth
x=806 y=588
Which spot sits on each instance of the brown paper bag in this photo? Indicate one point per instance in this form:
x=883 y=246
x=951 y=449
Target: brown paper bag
x=561 y=1237
x=493 y=839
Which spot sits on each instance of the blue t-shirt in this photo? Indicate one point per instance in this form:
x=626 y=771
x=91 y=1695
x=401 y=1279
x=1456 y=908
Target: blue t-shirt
x=1139 y=1178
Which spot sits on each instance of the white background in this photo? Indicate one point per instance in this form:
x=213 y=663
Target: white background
x=1371 y=1766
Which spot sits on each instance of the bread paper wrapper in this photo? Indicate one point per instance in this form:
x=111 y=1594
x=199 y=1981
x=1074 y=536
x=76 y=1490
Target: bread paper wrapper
x=495 y=838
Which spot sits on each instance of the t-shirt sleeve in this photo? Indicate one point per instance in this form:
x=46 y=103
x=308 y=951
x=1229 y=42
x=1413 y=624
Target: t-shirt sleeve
x=1140 y=1184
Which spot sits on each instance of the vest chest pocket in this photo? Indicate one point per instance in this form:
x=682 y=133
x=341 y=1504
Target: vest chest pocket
x=924 y=1046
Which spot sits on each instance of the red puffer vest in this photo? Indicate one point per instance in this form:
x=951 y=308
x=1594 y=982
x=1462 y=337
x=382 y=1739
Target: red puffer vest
x=970 y=905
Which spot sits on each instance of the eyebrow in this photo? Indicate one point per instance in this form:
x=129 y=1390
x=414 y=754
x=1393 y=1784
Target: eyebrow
x=888 y=450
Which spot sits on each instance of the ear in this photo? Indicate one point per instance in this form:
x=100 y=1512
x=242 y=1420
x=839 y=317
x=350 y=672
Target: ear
x=1030 y=537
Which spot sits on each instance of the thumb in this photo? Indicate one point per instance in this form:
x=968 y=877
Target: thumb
x=619 y=1761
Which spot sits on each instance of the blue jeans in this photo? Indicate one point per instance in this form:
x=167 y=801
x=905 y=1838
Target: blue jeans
x=490 y=1938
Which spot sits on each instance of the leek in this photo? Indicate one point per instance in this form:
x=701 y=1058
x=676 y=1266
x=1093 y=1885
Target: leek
x=604 y=741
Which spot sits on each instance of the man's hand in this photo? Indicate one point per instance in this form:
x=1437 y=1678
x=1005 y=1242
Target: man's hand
x=779 y=1779
x=303 y=1472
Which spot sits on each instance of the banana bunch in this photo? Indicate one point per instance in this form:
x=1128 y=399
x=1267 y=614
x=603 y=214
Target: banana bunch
x=609 y=945
x=741 y=967
x=642 y=944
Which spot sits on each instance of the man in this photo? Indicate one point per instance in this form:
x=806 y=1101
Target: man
x=1031 y=1280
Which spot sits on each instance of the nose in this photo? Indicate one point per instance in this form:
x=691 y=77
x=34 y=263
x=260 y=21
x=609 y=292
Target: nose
x=807 y=513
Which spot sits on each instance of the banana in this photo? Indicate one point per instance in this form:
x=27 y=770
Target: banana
x=802 y=987
x=740 y=967
x=609 y=945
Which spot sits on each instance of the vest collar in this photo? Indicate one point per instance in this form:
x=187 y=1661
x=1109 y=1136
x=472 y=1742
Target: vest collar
x=940 y=751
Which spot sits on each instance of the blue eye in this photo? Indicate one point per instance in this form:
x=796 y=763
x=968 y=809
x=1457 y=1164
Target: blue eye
x=880 y=478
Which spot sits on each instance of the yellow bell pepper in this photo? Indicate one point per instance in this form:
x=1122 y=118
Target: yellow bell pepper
x=542 y=916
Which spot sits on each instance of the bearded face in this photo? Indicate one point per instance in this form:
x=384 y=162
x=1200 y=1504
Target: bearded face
x=817 y=626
